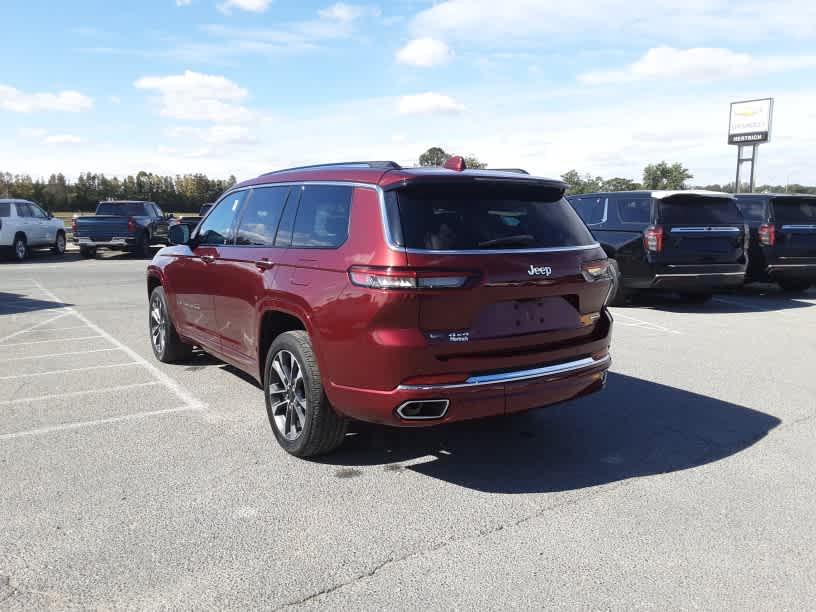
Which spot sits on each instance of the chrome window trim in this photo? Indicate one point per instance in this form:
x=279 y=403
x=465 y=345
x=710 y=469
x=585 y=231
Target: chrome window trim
x=699 y=229
x=518 y=375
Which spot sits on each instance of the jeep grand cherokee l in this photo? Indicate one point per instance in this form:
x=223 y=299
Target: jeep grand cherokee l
x=783 y=238
x=690 y=242
x=405 y=297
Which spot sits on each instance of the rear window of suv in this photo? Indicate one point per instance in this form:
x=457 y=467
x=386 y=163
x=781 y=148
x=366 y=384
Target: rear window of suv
x=451 y=217
x=793 y=211
x=696 y=210
x=5 y=210
x=121 y=209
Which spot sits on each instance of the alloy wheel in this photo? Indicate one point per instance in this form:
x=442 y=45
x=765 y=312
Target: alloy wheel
x=287 y=395
x=60 y=244
x=158 y=324
x=20 y=249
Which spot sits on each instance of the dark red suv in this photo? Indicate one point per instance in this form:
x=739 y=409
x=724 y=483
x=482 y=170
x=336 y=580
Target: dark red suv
x=400 y=296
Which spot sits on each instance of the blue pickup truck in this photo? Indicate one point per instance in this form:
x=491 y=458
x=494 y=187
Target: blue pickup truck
x=124 y=225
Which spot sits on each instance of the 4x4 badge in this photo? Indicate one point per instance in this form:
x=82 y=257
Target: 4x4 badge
x=540 y=271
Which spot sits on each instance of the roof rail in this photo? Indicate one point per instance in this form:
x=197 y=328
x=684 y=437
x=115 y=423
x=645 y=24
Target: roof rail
x=514 y=170
x=382 y=165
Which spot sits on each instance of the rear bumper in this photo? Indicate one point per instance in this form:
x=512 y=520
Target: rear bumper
x=480 y=396
x=116 y=242
x=803 y=270
x=699 y=278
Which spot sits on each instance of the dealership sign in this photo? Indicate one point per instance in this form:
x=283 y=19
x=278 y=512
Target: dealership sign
x=750 y=122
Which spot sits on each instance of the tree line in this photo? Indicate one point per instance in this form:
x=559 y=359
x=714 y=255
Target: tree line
x=186 y=193
x=180 y=193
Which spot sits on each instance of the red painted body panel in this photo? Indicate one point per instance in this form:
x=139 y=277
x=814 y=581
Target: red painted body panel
x=368 y=342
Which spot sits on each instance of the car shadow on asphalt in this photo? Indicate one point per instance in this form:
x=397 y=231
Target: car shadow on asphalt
x=17 y=303
x=634 y=428
x=747 y=299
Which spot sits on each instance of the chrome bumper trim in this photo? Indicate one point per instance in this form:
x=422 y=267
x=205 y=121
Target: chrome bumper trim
x=701 y=274
x=558 y=369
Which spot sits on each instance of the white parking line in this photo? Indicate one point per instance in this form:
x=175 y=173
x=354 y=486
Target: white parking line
x=189 y=400
x=78 y=424
x=50 y=396
x=72 y=370
x=34 y=327
x=52 y=340
x=643 y=324
x=49 y=355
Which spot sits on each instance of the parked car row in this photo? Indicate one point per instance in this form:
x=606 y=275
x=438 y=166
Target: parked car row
x=699 y=242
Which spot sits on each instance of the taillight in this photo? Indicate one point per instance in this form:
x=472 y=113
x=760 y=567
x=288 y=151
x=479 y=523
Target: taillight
x=400 y=278
x=767 y=234
x=131 y=225
x=73 y=225
x=653 y=239
x=596 y=270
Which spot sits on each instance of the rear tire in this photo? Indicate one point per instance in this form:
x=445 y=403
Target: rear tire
x=59 y=244
x=143 y=248
x=165 y=341
x=19 y=248
x=794 y=286
x=303 y=421
x=87 y=252
x=619 y=296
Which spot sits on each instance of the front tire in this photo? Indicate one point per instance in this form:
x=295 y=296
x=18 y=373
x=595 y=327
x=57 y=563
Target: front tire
x=165 y=341
x=303 y=421
x=794 y=286
x=143 y=248
x=59 y=244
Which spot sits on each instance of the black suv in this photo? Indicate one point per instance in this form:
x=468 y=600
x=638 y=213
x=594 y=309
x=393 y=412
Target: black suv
x=783 y=238
x=690 y=242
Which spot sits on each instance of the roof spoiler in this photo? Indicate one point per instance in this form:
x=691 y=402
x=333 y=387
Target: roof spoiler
x=378 y=165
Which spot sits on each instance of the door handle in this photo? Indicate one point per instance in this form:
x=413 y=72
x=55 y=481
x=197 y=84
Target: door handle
x=207 y=258
x=264 y=264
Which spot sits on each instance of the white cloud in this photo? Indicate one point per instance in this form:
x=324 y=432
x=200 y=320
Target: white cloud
x=699 y=64
x=514 y=21
x=59 y=139
x=115 y=100
x=14 y=100
x=347 y=13
x=429 y=103
x=184 y=2
x=195 y=96
x=424 y=52
x=252 y=6
x=215 y=135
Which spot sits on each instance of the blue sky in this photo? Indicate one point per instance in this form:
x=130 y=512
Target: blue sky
x=244 y=86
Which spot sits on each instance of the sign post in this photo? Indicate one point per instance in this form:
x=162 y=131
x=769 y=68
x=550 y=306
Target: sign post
x=749 y=126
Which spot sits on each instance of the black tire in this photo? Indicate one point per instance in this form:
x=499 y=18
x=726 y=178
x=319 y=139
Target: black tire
x=143 y=249
x=794 y=286
x=59 y=244
x=698 y=298
x=323 y=430
x=170 y=349
x=619 y=296
x=19 y=248
x=87 y=252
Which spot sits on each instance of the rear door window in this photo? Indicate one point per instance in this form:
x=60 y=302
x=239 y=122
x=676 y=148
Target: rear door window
x=637 y=211
x=591 y=209
x=322 y=217
x=753 y=210
x=217 y=228
x=793 y=211
x=489 y=216
x=5 y=209
x=259 y=221
x=699 y=210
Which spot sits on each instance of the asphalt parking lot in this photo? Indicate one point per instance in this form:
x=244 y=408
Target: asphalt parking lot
x=688 y=483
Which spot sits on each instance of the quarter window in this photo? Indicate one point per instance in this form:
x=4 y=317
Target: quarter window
x=323 y=217
x=635 y=210
x=217 y=227
x=590 y=209
x=259 y=222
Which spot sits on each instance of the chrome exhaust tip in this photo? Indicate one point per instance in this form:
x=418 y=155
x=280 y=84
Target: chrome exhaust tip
x=423 y=410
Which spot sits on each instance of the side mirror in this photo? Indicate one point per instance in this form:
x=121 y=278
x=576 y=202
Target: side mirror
x=50 y=215
x=179 y=234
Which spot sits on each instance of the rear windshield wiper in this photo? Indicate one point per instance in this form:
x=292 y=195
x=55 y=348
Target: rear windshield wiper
x=520 y=239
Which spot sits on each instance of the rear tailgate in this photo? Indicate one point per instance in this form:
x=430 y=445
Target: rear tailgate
x=700 y=229
x=529 y=302
x=795 y=222
x=101 y=228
